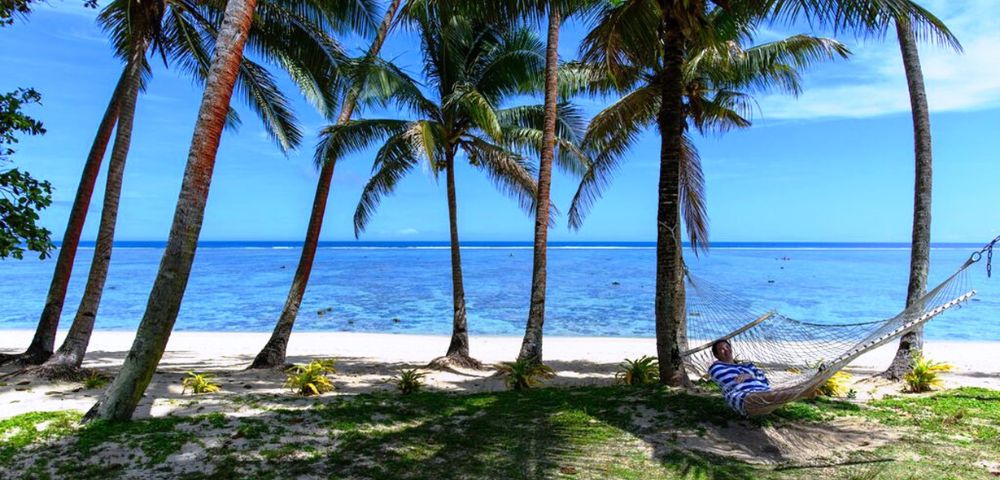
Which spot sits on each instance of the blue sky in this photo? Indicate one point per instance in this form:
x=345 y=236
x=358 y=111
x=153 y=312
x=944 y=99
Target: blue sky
x=834 y=164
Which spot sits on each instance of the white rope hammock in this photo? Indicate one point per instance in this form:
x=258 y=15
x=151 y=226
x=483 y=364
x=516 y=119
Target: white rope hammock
x=799 y=356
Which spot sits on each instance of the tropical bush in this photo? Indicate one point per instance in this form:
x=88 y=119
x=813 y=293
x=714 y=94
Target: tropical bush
x=640 y=371
x=199 y=383
x=925 y=374
x=837 y=385
x=95 y=380
x=311 y=379
x=410 y=381
x=524 y=374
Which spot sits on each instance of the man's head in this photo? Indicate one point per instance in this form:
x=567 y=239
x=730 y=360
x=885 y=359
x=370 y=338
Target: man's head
x=723 y=350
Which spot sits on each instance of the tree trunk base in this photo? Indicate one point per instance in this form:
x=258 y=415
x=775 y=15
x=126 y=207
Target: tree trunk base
x=268 y=359
x=897 y=371
x=61 y=372
x=455 y=360
x=25 y=359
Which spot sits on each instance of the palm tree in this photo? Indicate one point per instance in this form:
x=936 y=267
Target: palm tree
x=144 y=21
x=121 y=398
x=920 y=252
x=510 y=12
x=717 y=78
x=640 y=35
x=473 y=68
x=292 y=36
x=273 y=353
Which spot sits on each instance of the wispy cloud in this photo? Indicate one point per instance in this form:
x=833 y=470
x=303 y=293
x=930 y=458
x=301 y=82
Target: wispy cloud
x=872 y=83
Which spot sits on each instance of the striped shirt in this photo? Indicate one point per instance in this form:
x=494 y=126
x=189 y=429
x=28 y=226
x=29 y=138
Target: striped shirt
x=724 y=375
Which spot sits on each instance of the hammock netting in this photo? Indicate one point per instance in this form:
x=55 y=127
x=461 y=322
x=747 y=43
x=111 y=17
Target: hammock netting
x=799 y=355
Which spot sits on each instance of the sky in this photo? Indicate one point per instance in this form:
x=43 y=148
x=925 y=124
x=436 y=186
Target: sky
x=834 y=164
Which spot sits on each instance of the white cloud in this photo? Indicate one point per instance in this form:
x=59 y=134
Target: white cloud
x=872 y=83
x=408 y=231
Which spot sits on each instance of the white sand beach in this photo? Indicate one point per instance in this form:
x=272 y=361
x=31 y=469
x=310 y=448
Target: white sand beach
x=366 y=362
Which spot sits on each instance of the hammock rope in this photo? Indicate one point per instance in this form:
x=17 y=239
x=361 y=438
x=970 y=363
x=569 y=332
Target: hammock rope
x=797 y=355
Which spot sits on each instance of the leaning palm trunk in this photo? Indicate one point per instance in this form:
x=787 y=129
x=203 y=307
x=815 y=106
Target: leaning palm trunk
x=458 y=349
x=44 y=340
x=67 y=360
x=531 y=346
x=920 y=250
x=273 y=353
x=122 y=397
x=669 y=300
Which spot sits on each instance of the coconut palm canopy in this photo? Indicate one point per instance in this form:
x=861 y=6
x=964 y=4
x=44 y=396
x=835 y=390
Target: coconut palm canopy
x=296 y=36
x=721 y=75
x=473 y=71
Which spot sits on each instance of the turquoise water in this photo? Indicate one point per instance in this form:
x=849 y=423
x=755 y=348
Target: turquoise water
x=604 y=290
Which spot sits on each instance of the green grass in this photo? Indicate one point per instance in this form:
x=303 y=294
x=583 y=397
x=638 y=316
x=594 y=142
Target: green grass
x=621 y=432
x=18 y=432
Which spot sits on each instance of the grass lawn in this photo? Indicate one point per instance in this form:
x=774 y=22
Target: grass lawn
x=593 y=432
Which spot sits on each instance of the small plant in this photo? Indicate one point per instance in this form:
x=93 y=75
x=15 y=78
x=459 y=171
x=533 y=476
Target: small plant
x=836 y=386
x=926 y=374
x=199 y=383
x=524 y=374
x=311 y=379
x=94 y=380
x=640 y=371
x=410 y=381
x=852 y=394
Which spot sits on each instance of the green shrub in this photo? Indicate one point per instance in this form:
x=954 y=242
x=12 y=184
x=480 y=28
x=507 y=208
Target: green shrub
x=200 y=383
x=836 y=386
x=311 y=379
x=410 y=381
x=641 y=371
x=95 y=380
x=524 y=374
x=925 y=374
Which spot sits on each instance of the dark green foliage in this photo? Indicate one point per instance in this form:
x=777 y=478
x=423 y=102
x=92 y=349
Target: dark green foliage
x=13 y=9
x=22 y=430
x=615 y=432
x=21 y=195
x=524 y=374
x=410 y=381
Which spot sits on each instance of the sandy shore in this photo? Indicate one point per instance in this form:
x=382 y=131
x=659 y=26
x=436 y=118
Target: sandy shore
x=366 y=362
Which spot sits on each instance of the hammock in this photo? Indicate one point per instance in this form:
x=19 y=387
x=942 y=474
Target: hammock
x=799 y=356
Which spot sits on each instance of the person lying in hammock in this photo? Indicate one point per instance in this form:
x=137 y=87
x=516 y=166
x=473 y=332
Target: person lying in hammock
x=744 y=386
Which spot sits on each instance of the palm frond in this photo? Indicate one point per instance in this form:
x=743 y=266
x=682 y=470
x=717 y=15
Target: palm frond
x=338 y=141
x=393 y=161
x=692 y=196
x=476 y=107
x=611 y=134
x=865 y=17
x=624 y=35
x=523 y=131
x=511 y=173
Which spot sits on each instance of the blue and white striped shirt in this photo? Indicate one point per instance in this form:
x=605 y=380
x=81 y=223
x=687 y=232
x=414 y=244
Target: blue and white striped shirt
x=724 y=375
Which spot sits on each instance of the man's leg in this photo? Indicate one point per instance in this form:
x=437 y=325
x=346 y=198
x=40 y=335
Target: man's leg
x=763 y=403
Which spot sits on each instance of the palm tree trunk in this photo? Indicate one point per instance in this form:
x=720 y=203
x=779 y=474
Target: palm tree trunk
x=669 y=302
x=44 y=340
x=920 y=250
x=122 y=397
x=531 y=346
x=273 y=353
x=458 y=349
x=70 y=355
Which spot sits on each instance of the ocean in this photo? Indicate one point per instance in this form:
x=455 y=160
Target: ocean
x=594 y=289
